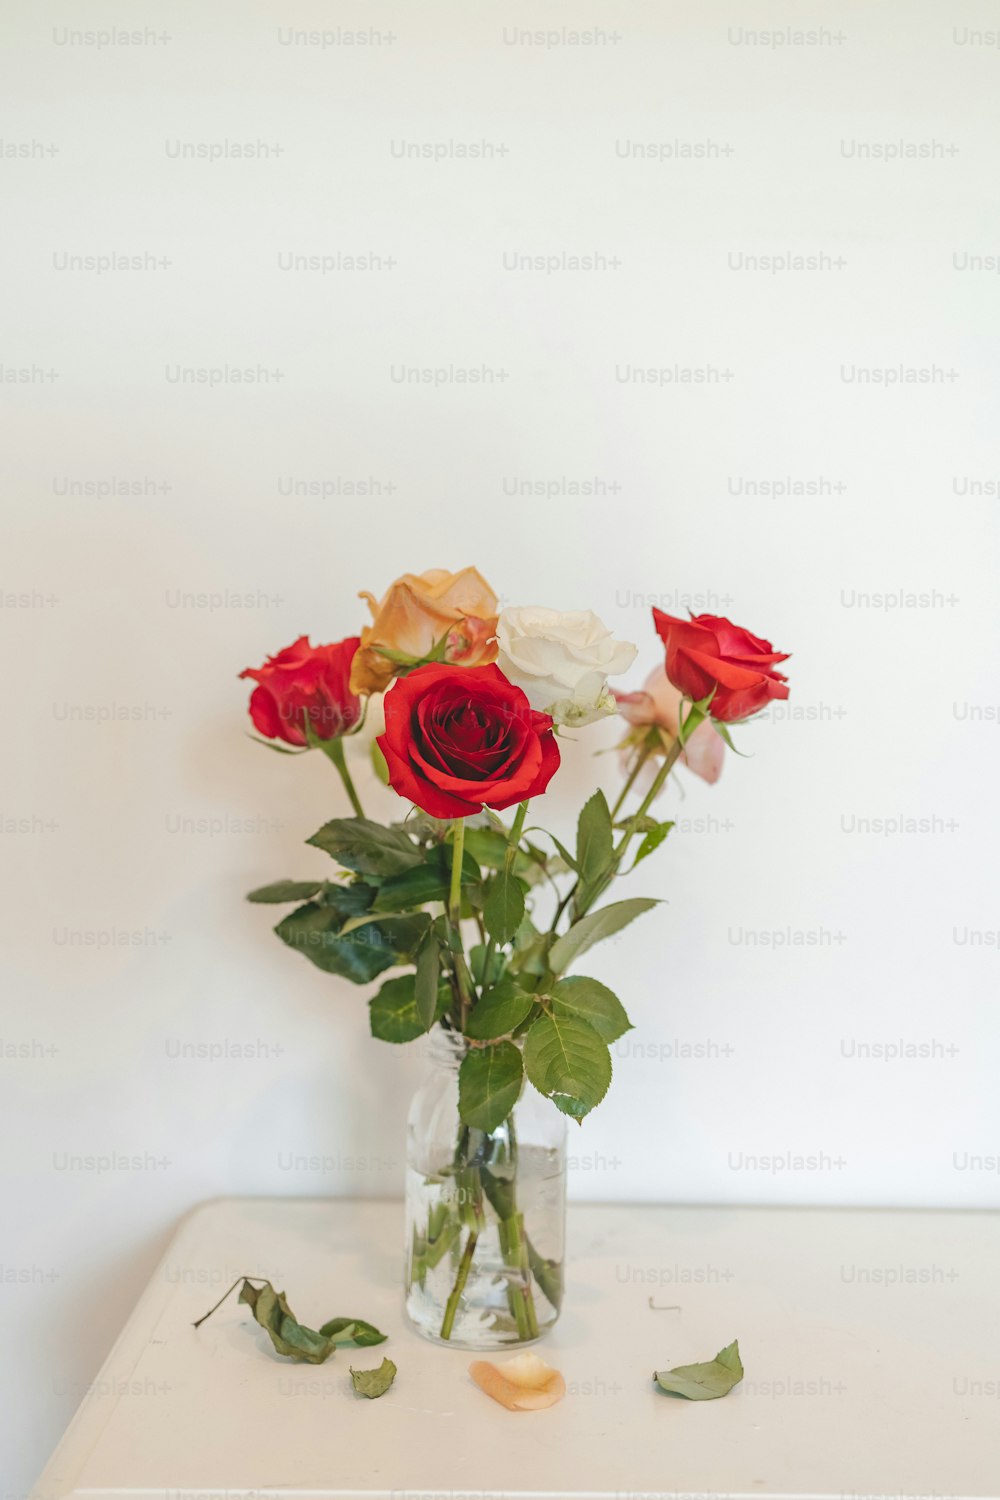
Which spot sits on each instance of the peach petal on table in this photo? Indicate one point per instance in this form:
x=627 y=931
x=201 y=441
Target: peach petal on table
x=523 y=1383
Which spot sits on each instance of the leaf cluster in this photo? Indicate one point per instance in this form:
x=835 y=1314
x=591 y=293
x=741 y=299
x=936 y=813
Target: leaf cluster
x=522 y=1015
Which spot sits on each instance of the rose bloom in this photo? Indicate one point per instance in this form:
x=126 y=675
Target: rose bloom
x=562 y=661
x=709 y=651
x=659 y=703
x=458 y=739
x=418 y=611
x=301 y=682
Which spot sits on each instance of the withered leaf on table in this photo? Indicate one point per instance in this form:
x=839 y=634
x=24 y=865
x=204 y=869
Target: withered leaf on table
x=287 y=1334
x=292 y=1338
x=352 y=1333
x=372 y=1383
x=706 y=1382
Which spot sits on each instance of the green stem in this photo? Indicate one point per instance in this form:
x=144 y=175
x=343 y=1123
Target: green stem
x=513 y=840
x=465 y=1265
x=334 y=751
x=563 y=905
x=459 y=967
x=645 y=750
x=511 y=1231
x=515 y=1246
x=516 y=829
x=669 y=760
x=519 y=1298
x=457 y=852
x=222 y=1299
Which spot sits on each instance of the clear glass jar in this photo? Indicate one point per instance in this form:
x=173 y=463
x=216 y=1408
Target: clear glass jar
x=485 y=1214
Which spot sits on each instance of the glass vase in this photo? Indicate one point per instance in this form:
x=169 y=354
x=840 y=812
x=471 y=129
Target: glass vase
x=485 y=1214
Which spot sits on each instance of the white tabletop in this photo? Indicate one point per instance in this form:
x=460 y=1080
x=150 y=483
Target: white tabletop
x=870 y=1342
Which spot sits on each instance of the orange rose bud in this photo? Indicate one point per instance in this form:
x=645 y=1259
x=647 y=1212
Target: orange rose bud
x=417 y=612
x=524 y=1383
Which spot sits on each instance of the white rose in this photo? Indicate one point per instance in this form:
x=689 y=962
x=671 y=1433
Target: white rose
x=562 y=662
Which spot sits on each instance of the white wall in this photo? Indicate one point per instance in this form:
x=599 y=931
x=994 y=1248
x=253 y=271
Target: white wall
x=141 y=608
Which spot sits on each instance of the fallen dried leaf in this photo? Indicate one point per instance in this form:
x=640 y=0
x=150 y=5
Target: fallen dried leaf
x=373 y=1383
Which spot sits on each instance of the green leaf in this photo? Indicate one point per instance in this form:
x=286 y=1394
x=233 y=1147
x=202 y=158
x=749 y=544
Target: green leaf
x=286 y=890
x=425 y=987
x=644 y=824
x=594 y=928
x=414 y=888
x=566 y=1061
x=589 y=1000
x=358 y=953
x=367 y=847
x=504 y=909
x=548 y=1274
x=422 y=827
x=401 y=935
x=428 y=881
x=489 y=1084
x=499 y=1012
x=594 y=839
x=288 y=1336
x=705 y=1382
x=477 y=965
x=372 y=1383
x=500 y=1190
x=393 y=1014
x=564 y=852
x=654 y=838
x=722 y=730
x=486 y=845
x=448 y=936
x=530 y=862
x=352 y=1333
x=531 y=949
x=348 y=900
x=314 y=931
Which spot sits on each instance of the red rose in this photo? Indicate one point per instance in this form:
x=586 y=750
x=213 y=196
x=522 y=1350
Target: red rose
x=303 y=682
x=459 y=739
x=709 y=651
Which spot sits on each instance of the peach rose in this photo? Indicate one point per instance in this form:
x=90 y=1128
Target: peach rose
x=659 y=703
x=435 y=615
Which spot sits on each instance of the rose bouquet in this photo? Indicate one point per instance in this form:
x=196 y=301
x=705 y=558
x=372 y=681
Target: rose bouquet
x=484 y=918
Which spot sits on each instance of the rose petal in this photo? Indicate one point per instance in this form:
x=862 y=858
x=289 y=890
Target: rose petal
x=523 y=1383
